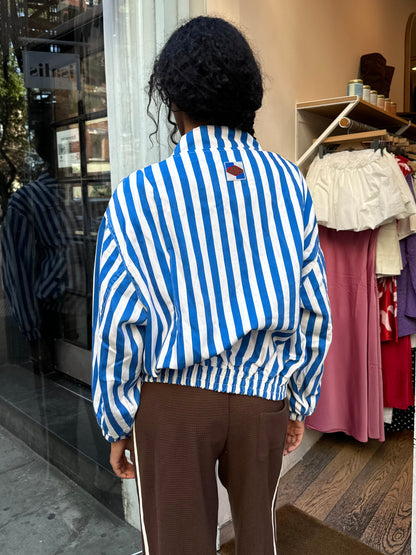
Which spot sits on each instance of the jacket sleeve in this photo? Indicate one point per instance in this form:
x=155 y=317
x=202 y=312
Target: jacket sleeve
x=119 y=327
x=19 y=270
x=315 y=329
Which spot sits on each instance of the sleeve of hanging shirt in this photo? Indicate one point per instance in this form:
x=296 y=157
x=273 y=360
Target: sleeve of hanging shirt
x=315 y=330
x=18 y=269
x=119 y=325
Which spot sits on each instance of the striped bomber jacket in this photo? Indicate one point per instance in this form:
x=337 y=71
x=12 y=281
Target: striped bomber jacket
x=209 y=274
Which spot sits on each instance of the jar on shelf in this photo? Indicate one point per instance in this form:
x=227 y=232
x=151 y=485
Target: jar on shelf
x=387 y=105
x=380 y=101
x=393 y=108
x=373 y=97
x=366 y=93
x=355 y=87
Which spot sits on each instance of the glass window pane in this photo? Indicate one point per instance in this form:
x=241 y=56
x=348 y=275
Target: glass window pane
x=96 y=146
x=52 y=199
x=98 y=197
x=66 y=104
x=68 y=151
x=93 y=83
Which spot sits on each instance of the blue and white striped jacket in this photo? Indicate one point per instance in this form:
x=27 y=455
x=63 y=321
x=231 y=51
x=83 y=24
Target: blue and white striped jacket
x=209 y=274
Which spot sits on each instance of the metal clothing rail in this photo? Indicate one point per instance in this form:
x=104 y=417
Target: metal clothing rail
x=357 y=137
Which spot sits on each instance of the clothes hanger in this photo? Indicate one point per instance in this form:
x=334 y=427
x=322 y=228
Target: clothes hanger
x=377 y=139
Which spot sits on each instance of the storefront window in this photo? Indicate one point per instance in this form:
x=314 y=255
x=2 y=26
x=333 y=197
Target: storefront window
x=56 y=58
x=54 y=189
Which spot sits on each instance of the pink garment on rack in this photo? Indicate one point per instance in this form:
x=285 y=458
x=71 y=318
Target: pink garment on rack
x=351 y=398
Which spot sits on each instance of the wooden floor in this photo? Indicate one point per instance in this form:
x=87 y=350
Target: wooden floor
x=361 y=489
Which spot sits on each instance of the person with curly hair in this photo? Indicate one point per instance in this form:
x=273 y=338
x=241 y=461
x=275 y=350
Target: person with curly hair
x=211 y=318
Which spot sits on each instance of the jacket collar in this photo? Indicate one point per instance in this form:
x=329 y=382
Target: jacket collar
x=212 y=137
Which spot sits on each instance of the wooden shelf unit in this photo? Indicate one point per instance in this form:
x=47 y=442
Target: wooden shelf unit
x=319 y=119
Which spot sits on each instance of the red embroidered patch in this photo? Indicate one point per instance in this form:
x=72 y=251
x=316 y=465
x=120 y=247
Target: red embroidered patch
x=235 y=170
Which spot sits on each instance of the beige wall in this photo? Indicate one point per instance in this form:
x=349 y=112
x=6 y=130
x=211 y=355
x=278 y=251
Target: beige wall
x=310 y=49
x=229 y=9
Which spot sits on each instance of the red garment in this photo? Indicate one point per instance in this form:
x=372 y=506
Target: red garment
x=397 y=373
x=387 y=296
x=396 y=354
x=403 y=164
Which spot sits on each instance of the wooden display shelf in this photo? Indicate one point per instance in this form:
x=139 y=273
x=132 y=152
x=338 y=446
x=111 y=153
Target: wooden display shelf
x=363 y=112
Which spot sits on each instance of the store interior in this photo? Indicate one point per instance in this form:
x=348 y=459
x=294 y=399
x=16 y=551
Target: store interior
x=354 y=472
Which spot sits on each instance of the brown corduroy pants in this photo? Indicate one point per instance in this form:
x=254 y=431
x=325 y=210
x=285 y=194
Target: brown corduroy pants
x=180 y=434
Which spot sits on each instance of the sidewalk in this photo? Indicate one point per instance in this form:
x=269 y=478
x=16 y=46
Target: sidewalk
x=42 y=512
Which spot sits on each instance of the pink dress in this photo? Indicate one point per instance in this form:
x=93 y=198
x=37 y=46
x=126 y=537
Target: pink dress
x=351 y=398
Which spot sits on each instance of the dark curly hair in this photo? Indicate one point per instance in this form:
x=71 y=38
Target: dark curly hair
x=207 y=70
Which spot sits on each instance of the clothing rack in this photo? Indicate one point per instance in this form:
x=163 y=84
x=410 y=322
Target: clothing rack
x=367 y=128
x=376 y=139
x=364 y=136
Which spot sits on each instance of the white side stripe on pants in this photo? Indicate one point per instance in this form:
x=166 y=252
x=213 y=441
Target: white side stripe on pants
x=136 y=463
x=273 y=515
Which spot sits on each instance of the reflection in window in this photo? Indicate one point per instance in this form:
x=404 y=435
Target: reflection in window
x=68 y=151
x=98 y=196
x=57 y=70
x=97 y=152
x=93 y=83
x=68 y=9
